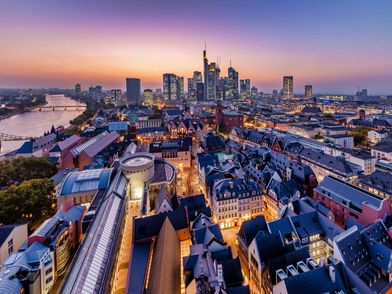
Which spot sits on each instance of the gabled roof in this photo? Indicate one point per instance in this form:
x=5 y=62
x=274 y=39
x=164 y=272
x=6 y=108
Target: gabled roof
x=250 y=228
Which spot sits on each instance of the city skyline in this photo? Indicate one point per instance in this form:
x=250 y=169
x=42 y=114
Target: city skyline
x=336 y=47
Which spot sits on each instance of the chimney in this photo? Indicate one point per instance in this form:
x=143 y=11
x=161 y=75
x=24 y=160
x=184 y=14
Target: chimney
x=332 y=273
x=231 y=184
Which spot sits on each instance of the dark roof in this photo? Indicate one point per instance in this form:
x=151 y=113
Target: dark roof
x=309 y=109
x=238 y=290
x=341 y=191
x=250 y=228
x=26 y=148
x=148 y=227
x=214 y=142
x=315 y=281
x=195 y=205
x=174 y=145
x=138 y=267
x=232 y=272
x=378 y=180
x=337 y=164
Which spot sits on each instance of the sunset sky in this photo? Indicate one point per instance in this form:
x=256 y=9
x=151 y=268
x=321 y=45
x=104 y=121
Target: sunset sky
x=336 y=45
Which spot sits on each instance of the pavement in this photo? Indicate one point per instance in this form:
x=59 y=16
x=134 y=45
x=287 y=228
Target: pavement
x=230 y=237
x=124 y=255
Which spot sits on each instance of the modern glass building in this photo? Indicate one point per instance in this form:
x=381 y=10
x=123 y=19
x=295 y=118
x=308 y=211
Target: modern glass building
x=133 y=90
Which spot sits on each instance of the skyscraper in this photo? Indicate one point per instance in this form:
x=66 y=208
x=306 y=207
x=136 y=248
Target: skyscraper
x=180 y=88
x=169 y=86
x=115 y=94
x=78 y=88
x=222 y=88
x=232 y=83
x=200 y=91
x=245 y=88
x=197 y=78
x=133 y=90
x=253 y=92
x=308 y=91
x=190 y=85
x=212 y=81
x=288 y=87
x=206 y=70
x=148 y=97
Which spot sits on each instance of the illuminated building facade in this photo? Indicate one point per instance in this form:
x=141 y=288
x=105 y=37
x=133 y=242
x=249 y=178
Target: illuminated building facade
x=288 y=87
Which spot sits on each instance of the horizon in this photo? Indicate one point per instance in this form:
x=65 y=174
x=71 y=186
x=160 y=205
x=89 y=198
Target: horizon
x=336 y=47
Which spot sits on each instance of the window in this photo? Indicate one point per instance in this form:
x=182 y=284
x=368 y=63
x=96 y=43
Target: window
x=10 y=246
x=48 y=280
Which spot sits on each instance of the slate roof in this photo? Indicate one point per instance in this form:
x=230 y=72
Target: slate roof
x=378 y=180
x=335 y=164
x=340 y=191
x=238 y=188
x=315 y=281
x=250 y=228
x=214 y=142
x=148 y=227
x=174 y=145
x=195 y=205
x=311 y=110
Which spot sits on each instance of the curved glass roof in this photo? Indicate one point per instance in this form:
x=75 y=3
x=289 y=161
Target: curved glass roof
x=84 y=181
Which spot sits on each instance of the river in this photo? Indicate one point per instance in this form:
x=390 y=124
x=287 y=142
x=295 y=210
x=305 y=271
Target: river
x=35 y=123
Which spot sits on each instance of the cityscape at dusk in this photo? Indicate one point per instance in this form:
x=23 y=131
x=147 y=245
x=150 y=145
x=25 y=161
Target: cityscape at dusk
x=196 y=147
x=335 y=45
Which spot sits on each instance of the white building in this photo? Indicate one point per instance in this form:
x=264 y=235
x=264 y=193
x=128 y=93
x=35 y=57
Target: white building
x=383 y=151
x=341 y=140
x=376 y=137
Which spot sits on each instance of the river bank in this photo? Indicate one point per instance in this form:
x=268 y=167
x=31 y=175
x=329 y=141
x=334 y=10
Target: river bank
x=36 y=123
x=22 y=111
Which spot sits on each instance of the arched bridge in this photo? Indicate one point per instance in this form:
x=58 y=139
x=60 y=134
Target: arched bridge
x=9 y=137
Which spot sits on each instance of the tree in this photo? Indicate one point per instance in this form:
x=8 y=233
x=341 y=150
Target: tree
x=20 y=169
x=360 y=135
x=32 y=200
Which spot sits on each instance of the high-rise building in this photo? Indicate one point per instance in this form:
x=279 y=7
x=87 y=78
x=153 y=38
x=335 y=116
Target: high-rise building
x=245 y=88
x=180 y=88
x=206 y=70
x=190 y=85
x=222 y=88
x=148 y=97
x=115 y=94
x=253 y=92
x=288 y=87
x=169 y=86
x=133 y=90
x=200 y=91
x=275 y=93
x=232 y=83
x=308 y=91
x=197 y=78
x=78 y=88
x=212 y=81
x=158 y=93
